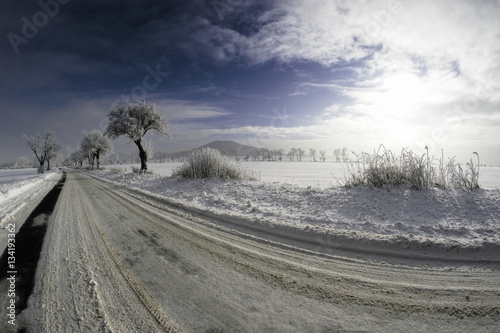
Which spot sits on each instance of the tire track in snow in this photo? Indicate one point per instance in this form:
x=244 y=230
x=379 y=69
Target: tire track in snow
x=215 y=278
x=402 y=289
x=145 y=297
x=78 y=286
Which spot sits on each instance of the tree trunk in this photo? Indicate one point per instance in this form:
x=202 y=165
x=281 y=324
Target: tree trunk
x=40 y=169
x=98 y=162
x=143 y=156
x=48 y=164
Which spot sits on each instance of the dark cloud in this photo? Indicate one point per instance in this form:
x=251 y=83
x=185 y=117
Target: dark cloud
x=71 y=60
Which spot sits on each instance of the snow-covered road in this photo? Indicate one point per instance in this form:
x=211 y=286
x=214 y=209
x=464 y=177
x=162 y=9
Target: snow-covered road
x=119 y=260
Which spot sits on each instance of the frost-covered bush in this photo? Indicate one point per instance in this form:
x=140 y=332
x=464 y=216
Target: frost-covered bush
x=384 y=169
x=210 y=163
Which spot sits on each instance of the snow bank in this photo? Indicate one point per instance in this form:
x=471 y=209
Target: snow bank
x=426 y=220
x=18 y=186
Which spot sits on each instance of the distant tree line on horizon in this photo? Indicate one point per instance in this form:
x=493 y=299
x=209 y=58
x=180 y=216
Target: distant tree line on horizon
x=259 y=154
x=134 y=120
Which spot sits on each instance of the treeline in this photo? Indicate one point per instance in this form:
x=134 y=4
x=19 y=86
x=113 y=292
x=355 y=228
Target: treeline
x=132 y=120
x=258 y=154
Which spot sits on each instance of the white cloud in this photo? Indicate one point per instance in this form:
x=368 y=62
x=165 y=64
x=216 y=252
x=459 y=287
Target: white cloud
x=419 y=66
x=183 y=110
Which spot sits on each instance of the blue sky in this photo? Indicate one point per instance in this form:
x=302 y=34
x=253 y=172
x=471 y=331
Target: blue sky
x=276 y=74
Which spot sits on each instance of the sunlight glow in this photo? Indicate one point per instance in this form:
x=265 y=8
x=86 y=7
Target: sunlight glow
x=402 y=93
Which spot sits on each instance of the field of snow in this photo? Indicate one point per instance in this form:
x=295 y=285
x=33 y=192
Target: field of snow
x=306 y=198
x=304 y=174
x=118 y=259
x=297 y=201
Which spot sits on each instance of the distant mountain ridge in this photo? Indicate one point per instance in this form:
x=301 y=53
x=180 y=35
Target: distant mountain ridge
x=229 y=147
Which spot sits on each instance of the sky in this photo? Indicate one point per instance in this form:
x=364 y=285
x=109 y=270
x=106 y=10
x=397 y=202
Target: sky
x=275 y=74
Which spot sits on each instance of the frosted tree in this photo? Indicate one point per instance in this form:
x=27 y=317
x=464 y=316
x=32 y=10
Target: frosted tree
x=43 y=146
x=77 y=157
x=134 y=120
x=94 y=145
x=22 y=162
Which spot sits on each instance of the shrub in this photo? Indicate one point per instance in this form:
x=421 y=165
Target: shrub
x=210 y=163
x=138 y=170
x=384 y=169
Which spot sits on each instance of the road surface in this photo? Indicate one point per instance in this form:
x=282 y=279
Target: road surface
x=117 y=260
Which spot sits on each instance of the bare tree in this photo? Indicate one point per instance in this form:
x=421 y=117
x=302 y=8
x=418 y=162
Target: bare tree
x=322 y=153
x=312 y=153
x=280 y=154
x=255 y=155
x=96 y=144
x=300 y=153
x=163 y=156
x=336 y=154
x=134 y=120
x=43 y=146
x=344 y=154
x=265 y=153
x=237 y=154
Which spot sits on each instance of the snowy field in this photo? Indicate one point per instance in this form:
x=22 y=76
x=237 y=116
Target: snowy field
x=305 y=197
x=304 y=174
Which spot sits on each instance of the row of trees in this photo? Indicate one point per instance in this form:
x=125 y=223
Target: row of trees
x=261 y=154
x=132 y=120
x=294 y=154
x=92 y=147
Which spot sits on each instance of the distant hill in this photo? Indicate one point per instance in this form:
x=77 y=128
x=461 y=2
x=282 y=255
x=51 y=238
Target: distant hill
x=230 y=147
